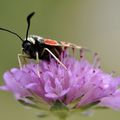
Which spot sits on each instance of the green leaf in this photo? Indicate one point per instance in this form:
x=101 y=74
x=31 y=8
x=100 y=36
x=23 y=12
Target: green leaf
x=58 y=106
x=38 y=101
x=85 y=107
x=89 y=105
x=101 y=107
x=42 y=115
x=60 y=110
x=28 y=104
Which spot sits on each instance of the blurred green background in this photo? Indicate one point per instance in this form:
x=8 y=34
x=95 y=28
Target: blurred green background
x=91 y=23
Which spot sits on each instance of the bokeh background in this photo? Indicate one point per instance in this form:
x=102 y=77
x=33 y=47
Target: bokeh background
x=91 y=23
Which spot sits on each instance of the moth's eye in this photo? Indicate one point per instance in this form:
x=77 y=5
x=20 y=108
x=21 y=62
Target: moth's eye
x=27 y=46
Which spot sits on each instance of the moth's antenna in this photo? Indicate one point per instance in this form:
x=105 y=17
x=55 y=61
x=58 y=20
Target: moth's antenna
x=28 y=21
x=12 y=33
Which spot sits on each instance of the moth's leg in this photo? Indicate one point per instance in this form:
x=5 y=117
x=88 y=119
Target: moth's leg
x=37 y=57
x=38 y=60
x=54 y=57
x=23 y=56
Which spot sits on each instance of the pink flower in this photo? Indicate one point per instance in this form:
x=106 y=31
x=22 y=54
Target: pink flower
x=82 y=85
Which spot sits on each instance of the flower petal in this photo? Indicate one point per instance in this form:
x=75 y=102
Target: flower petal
x=112 y=101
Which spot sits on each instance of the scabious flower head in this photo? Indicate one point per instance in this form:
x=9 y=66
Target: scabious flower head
x=49 y=86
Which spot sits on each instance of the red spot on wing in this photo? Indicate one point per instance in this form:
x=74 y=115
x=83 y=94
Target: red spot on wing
x=51 y=42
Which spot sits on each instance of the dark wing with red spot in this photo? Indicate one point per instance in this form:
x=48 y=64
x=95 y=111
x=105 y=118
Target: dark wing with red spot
x=51 y=42
x=61 y=43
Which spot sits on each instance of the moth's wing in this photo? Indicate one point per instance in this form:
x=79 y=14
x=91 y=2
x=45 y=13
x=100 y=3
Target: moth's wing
x=51 y=42
x=61 y=43
x=71 y=45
